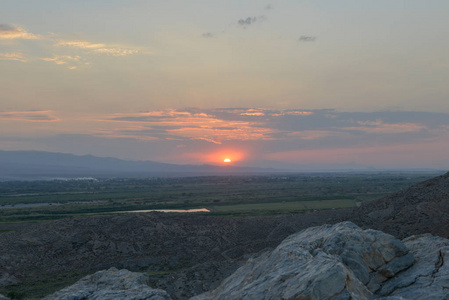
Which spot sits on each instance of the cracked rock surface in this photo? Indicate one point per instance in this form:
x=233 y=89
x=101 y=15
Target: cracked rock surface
x=343 y=261
x=428 y=278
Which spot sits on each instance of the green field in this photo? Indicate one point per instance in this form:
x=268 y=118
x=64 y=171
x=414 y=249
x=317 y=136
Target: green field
x=223 y=195
x=282 y=207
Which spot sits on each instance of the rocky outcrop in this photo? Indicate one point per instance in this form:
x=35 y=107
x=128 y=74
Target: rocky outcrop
x=343 y=262
x=428 y=277
x=111 y=284
x=3 y=297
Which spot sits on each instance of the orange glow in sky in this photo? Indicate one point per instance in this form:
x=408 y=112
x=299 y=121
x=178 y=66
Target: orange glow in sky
x=225 y=156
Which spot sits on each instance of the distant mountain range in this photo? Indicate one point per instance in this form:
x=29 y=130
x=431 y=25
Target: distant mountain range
x=32 y=165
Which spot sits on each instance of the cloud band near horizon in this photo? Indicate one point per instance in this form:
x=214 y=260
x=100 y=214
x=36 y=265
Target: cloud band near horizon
x=255 y=135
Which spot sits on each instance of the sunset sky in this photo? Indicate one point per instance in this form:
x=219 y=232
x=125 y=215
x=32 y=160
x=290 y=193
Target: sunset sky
x=275 y=84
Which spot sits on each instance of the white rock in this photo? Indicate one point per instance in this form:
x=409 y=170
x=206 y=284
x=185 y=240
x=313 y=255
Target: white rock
x=343 y=262
x=326 y=262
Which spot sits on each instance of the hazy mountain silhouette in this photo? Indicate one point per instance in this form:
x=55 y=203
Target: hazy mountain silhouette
x=24 y=165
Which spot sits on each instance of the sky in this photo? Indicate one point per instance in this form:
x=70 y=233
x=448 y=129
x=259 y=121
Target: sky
x=289 y=84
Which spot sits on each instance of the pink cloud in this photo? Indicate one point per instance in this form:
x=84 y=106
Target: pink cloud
x=196 y=126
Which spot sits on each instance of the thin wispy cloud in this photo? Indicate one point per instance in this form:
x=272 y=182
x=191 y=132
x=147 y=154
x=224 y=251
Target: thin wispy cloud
x=310 y=134
x=98 y=48
x=379 y=126
x=208 y=35
x=116 y=51
x=71 y=54
x=8 y=32
x=80 y=44
x=307 y=38
x=17 y=56
x=29 y=116
x=62 y=59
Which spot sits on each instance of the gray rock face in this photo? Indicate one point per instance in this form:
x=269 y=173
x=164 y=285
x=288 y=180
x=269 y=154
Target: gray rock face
x=111 y=284
x=428 y=278
x=343 y=262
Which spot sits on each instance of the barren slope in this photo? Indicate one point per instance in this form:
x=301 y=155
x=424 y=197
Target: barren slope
x=422 y=208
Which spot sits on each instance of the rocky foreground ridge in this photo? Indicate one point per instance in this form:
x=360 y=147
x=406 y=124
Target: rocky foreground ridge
x=340 y=262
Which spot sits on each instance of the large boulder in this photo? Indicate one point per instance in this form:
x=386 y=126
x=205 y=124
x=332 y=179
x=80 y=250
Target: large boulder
x=327 y=262
x=111 y=284
x=343 y=262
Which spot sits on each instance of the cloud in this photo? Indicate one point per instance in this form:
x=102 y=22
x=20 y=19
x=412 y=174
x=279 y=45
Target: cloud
x=269 y=7
x=191 y=125
x=80 y=44
x=69 y=53
x=116 y=51
x=293 y=113
x=98 y=48
x=287 y=125
x=253 y=112
x=311 y=134
x=17 y=56
x=250 y=20
x=208 y=35
x=8 y=32
x=62 y=59
x=29 y=116
x=387 y=128
x=247 y=21
x=307 y=38
x=290 y=135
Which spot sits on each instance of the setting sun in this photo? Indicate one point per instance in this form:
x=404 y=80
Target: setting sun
x=227 y=160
